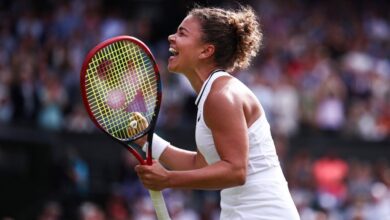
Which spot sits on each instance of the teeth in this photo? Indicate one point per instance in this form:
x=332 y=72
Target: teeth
x=173 y=51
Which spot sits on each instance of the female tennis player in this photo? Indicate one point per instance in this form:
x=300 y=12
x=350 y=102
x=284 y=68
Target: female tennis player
x=235 y=150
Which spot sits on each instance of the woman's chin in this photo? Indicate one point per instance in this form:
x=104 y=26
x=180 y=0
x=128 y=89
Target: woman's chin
x=172 y=68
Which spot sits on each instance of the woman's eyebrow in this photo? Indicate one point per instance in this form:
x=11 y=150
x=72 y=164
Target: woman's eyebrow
x=181 y=28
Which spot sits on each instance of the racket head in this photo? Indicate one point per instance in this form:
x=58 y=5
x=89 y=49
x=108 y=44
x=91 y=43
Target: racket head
x=120 y=81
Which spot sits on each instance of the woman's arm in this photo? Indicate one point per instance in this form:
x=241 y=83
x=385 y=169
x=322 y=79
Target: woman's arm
x=172 y=157
x=224 y=115
x=178 y=159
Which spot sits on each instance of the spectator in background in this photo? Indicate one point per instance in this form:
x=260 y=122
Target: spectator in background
x=91 y=211
x=52 y=210
x=6 y=107
x=285 y=108
x=117 y=208
x=330 y=173
x=78 y=120
x=25 y=97
x=54 y=100
x=330 y=110
x=263 y=91
x=178 y=206
x=77 y=173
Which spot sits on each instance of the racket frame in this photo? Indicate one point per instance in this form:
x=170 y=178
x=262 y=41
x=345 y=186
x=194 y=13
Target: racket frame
x=150 y=129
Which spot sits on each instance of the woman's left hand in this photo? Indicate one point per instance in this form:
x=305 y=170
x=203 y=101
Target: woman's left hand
x=154 y=177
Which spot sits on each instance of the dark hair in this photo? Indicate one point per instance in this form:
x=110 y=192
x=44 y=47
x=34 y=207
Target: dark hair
x=234 y=33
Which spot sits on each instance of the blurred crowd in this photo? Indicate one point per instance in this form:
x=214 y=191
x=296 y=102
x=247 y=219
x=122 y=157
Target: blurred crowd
x=324 y=188
x=324 y=67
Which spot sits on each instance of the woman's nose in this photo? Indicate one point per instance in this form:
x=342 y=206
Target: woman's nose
x=171 y=37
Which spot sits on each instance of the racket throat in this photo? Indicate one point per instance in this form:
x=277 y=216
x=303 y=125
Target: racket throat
x=136 y=155
x=149 y=159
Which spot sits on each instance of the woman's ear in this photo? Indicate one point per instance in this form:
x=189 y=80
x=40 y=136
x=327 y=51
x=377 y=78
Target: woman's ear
x=207 y=51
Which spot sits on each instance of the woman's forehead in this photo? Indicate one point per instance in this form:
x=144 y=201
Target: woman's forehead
x=190 y=24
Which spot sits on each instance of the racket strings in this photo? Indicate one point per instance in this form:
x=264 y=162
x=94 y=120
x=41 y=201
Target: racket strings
x=147 y=84
x=118 y=68
x=124 y=89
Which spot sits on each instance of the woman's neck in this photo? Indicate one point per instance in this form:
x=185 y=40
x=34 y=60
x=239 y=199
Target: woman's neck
x=199 y=76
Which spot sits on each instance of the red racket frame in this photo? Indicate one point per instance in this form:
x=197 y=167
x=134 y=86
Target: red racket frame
x=150 y=129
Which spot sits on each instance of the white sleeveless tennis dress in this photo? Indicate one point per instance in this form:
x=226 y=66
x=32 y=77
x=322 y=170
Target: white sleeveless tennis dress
x=265 y=194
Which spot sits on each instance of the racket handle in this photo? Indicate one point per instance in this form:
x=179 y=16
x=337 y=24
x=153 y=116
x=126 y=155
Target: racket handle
x=159 y=205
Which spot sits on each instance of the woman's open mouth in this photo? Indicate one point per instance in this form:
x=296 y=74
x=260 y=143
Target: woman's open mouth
x=173 y=52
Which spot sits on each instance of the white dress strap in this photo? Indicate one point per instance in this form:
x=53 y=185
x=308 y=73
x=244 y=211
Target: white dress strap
x=207 y=84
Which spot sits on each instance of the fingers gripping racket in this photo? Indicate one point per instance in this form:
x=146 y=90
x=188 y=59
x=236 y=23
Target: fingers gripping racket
x=121 y=90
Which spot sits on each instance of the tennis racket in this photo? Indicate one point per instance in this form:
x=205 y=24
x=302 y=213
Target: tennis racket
x=121 y=91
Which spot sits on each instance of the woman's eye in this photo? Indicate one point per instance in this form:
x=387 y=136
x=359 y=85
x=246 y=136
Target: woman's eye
x=181 y=33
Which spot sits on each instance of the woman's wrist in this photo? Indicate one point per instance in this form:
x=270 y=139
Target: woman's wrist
x=158 y=146
x=168 y=179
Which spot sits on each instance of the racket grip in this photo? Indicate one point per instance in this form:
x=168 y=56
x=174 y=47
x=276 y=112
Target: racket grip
x=159 y=205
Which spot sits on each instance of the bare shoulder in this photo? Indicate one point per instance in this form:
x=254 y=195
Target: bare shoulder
x=229 y=99
x=224 y=92
x=223 y=101
x=229 y=90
